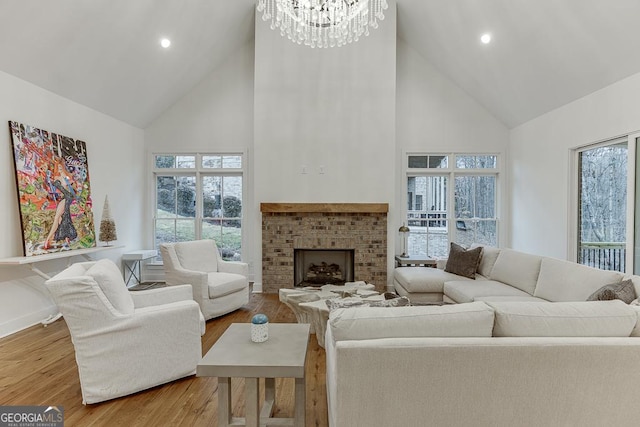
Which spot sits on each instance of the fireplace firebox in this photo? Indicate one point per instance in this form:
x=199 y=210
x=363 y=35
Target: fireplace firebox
x=317 y=267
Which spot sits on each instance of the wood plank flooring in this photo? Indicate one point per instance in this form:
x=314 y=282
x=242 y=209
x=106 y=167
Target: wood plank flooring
x=38 y=367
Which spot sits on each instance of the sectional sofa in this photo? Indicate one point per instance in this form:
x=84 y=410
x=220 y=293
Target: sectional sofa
x=506 y=275
x=502 y=356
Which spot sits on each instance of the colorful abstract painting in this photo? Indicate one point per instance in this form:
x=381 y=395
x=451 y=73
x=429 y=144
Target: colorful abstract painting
x=54 y=193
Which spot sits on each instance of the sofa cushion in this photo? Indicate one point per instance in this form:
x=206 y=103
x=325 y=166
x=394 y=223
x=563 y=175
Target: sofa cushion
x=487 y=259
x=463 y=262
x=109 y=278
x=636 y=329
x=456 y=320
x=514 y=298
x=221 y=284
x=423 y=279
x=517 y=269
x=563 y=319
x=467 y=291
x=623 y=291
x=561 y=280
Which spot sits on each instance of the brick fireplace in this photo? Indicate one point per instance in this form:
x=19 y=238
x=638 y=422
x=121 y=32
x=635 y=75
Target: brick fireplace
x=361 y=227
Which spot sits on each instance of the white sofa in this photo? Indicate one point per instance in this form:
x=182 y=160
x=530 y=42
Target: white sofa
x=506 y=275
x=502 y=355
x=496 y=363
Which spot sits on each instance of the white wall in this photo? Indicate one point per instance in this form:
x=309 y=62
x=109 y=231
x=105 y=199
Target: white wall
x=539 y=166
x=435 y=115
x=353 y=110
x=215 y=116
x=325 y=108
x=115 y=153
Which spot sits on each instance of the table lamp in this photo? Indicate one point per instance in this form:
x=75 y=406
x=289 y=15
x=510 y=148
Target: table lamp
x=404 y=235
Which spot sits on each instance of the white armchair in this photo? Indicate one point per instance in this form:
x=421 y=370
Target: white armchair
x=219 y=286
x=125 y=341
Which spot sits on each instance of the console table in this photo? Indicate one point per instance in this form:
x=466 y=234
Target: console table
x=31 y=261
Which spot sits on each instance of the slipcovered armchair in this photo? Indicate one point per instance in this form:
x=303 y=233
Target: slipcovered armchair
x=125 y=341
x=219 y=286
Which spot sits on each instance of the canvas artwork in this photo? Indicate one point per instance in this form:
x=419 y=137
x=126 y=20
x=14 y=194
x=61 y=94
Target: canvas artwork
x=54 y=193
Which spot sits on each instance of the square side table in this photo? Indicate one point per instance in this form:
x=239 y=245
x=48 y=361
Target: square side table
x=415 y=260
x=235 y=355
x=132 y=260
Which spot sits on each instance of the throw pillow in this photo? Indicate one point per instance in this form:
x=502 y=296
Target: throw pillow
x=336 y=303
x=395 y=302
x=463 y=262
x=390 y=295
x=624 y=291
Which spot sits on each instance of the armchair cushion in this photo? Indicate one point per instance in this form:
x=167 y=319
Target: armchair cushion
x=236 y=267
x=198 y=255
x=108 y=277
x=221 y=284
x=159 y=296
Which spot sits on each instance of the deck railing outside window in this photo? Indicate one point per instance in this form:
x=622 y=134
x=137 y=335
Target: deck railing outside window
x=603 y=255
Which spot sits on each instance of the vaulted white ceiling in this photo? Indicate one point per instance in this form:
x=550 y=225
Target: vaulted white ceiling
x=105 y=53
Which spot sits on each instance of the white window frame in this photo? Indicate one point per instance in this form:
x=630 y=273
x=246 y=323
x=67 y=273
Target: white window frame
x=632 y=140
x=199 y=172
x=451 y=171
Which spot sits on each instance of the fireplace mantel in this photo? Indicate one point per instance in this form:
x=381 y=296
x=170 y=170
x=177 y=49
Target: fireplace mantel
x=324 y=207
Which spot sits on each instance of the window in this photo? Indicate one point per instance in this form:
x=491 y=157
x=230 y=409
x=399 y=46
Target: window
x=199 y=196
x=602 y=205
x=451 y=197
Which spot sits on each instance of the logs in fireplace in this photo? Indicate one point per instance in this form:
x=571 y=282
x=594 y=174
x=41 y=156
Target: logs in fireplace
x=320 y=267
x=325 y=273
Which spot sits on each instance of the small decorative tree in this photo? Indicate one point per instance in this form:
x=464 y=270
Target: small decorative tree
x=107 y=225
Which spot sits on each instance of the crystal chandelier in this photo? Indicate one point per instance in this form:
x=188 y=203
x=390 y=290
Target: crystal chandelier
x=323 y=23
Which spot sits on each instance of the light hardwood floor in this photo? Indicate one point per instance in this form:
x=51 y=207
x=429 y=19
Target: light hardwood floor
x=38 y=367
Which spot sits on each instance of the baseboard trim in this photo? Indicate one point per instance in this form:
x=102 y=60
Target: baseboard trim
x=24 y=322
x=257 y=287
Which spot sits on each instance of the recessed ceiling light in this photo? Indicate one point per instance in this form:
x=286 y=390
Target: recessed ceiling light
x=165 y=43
x=485 y=38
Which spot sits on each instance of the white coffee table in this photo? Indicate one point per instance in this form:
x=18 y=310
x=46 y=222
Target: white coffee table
x=235 y=355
